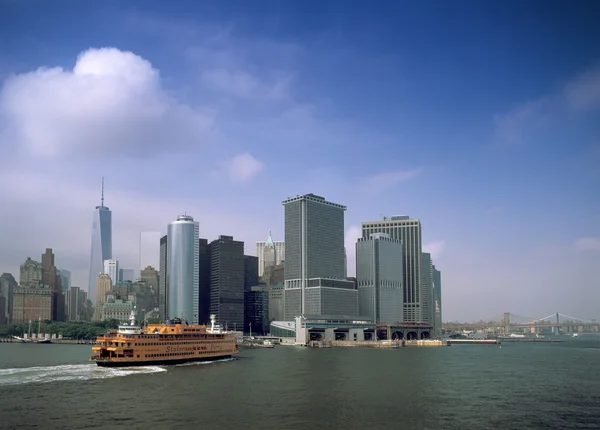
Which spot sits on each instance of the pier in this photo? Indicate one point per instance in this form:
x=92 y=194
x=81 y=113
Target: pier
x=377 y=343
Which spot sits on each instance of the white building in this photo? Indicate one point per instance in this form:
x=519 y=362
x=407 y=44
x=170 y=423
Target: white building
x=111 y=268
x=270 y=247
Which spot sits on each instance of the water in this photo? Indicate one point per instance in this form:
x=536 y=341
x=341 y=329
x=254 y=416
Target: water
x=518 y=385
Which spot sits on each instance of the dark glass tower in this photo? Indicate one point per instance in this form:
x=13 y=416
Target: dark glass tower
x=101 y=244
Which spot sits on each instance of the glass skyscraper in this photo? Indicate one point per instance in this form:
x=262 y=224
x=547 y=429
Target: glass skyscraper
x=183 y=251
x=101 y=244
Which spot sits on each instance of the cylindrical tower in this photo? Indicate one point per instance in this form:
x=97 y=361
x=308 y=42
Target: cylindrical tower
x=183 y=268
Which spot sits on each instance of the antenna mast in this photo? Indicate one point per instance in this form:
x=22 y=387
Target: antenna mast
x=102 y=199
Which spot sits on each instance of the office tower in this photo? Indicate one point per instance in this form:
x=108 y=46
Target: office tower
x=48 y=270
x=379 y=278
x=163 y=280
x=437 y=294
x=427 y=293
x=73 y=305
x=30 y=274
x=66 y=279
x=250 y=272
x=8 y=285
x=256 y=310
x=111 y=268
x=204 y=286
x=126 y=275
x=314 y=265
x=149 y=249
x=227 y=281
x=52 y=280
x=276 y=247
x=101 y=243
x=345 y=264
x=103 y=285
x=183 y=268
x=408 y=231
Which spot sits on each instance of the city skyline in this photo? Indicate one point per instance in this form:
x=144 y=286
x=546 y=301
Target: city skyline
x=492 y=144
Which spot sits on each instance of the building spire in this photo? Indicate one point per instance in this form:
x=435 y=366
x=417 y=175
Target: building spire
x=270 y=240
x=102 y=199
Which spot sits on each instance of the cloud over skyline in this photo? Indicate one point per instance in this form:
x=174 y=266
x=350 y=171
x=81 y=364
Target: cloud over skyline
x=225 y=115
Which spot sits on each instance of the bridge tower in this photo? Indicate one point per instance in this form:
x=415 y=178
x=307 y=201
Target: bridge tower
x=506 y=322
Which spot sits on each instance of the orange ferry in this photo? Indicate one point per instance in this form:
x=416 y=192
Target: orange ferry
x=174 y=342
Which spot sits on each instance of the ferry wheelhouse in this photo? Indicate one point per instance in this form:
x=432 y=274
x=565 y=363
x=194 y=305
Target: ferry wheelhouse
x=173 y=342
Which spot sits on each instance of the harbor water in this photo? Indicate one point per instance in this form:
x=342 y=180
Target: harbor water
x=508 y=386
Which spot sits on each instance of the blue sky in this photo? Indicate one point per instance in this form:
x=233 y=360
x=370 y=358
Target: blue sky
x=481 y=120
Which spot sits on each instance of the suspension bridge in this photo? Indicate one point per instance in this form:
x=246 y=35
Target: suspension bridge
x=556 y=323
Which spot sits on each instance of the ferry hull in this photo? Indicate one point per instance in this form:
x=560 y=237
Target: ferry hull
x=111 y=363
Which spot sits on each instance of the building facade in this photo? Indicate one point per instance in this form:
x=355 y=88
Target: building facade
x=204 y=286
x=256 y=310
x=408 y=231
x=379 y=279
x=275 y=252
x=183 y=268
x=227 y=281
x=314 y=266
x=111 y=268
x=30 y=275
x=118 y=309
x=65 y=276
x=437 y=294
x=101 y=244
x=428 y=299
x=250 y=272
x=8 y=285
x=163 y=279
x=32 y=304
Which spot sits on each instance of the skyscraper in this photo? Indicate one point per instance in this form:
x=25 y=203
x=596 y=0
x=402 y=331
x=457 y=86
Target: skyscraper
x=163 y=279
x=379 y=278
x=183 y=269
x=101 y=243
x=314 y=267
x=274 y=249
x=227 y=281
x=408 y=231
x=437 y=294
x=204 y=287
x=427 y=295
x=111 y=268
x=149 y=249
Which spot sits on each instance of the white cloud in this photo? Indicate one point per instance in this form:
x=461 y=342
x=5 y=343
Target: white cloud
x=243 y=167
x=242 y=84
x=579 y=94
x=435 y=248
x=353 y=233
x=583 y=93
x=111 y=99
x=588 y=244
x=381 y=181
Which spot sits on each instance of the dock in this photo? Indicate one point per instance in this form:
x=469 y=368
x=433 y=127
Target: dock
x=377 y=343
x=473 y=341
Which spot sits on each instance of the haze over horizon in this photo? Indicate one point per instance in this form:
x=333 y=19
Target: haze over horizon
x=482 y=120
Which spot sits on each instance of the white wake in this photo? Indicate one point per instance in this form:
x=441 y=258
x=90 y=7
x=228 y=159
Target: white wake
x=69 y=372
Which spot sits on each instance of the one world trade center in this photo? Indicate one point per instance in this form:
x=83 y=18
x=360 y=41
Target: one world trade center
x=101 y=244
